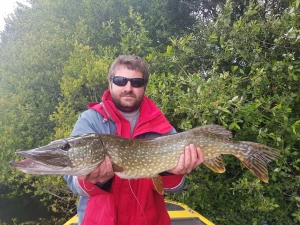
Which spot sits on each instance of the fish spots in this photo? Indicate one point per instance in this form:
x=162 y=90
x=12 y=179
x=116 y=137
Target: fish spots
x=86 y=150
x=149 y=157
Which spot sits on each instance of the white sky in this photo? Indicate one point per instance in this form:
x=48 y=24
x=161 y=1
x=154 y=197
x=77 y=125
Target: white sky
x=7 y=7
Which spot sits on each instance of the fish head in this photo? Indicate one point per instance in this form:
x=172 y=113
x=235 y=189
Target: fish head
x=77 y=156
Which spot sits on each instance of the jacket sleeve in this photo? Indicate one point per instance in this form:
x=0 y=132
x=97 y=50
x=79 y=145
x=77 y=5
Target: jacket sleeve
x=88 y=122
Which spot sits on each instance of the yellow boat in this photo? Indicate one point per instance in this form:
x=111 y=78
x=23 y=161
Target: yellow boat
x=179 y=213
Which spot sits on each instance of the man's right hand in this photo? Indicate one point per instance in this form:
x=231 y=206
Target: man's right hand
x=102 y=173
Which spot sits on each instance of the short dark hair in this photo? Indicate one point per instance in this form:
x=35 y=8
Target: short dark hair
x=131 y=62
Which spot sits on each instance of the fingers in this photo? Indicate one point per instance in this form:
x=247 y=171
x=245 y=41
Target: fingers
x=189 y=153
x=200 y=158
x=101 y=174
x=105 y=171
x=188 y=161
x=180 y=168
x=193 y=157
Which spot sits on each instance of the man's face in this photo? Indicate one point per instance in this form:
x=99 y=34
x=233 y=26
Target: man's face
x=127 y=98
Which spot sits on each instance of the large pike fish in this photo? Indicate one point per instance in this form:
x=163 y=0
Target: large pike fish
x=134 y=158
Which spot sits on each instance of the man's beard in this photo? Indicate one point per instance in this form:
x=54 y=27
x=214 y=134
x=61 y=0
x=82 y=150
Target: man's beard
x=117 y=101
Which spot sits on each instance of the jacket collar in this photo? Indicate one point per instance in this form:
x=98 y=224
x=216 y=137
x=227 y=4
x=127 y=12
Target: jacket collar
x=151 y=118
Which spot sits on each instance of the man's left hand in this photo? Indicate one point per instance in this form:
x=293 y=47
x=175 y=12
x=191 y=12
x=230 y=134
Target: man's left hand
x=188 y=161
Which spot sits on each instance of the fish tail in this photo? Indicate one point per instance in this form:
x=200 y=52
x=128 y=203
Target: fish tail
x=258 y=157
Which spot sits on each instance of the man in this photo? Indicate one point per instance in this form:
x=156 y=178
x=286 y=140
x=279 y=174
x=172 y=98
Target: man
x=126 y=111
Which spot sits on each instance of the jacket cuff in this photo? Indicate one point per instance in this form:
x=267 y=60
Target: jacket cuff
x=173 y=183
x=105 y=186
x=88 y=189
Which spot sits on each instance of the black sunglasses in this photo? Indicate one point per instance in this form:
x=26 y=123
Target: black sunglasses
x=122 y=81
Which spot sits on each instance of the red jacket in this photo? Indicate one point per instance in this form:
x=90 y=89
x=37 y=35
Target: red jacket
x=129 y=202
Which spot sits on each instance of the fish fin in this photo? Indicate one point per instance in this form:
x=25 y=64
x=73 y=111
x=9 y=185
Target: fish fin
x=215 y=164
x=257 y=159
x=216 y=129
x=117 y=168
x=158 y=184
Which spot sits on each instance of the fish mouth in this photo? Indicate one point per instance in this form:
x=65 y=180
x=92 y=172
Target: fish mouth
x=27 y=156
x=41 y=161
x=45 y=158
x=24 y=163
x=36 y=167
x=32 y=166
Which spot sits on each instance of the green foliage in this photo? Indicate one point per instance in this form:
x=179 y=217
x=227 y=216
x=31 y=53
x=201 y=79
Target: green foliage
x=134 y=38
x=252 y=87
x=84 y=80
x=237 y=66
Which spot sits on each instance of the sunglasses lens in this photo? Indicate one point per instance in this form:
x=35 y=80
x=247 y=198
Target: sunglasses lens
x=137 y=82
x=122 y=81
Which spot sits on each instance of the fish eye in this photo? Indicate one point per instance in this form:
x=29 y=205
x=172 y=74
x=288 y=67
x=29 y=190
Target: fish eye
x=66 y=147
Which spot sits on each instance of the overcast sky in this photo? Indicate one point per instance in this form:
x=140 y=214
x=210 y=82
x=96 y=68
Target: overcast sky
x=7 y=7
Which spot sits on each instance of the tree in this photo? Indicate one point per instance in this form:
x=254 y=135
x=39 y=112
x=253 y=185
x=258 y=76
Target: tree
x=250 y=85
x=234 y=64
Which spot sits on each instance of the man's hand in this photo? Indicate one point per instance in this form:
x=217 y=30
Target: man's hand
x=101 y=174
x=188 y=161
